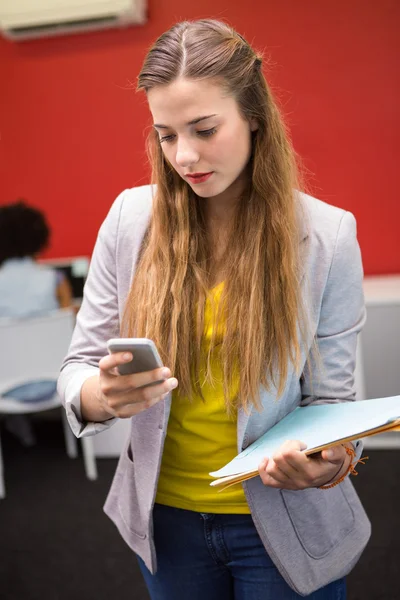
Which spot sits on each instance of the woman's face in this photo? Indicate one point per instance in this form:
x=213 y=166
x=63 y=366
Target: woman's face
x=203 y=135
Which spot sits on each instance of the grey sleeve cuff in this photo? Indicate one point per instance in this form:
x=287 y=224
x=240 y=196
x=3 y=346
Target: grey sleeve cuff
x=69 y=388
x=358 y=447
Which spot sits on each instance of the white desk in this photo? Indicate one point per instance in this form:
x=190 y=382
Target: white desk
x=382 y=290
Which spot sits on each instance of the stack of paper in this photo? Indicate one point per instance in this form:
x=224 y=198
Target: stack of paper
x=319 y=427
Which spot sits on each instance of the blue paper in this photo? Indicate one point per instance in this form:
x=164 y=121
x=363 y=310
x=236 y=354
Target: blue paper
x=316 y=426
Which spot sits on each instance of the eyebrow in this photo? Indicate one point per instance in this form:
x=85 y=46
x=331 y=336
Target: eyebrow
x=193 y=122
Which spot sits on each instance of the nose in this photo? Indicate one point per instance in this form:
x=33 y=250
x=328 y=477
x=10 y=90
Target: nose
x=186 y=154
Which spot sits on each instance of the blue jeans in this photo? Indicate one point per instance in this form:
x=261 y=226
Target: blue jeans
x=217 y=557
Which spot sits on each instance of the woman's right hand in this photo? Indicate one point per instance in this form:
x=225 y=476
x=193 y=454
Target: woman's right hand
x=123 y=395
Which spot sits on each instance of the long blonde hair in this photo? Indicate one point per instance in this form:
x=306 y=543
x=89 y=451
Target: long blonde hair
x=260 y=303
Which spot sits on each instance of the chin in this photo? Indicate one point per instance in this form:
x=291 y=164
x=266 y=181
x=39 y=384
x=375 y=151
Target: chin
x=209 y=191
x=203 y=194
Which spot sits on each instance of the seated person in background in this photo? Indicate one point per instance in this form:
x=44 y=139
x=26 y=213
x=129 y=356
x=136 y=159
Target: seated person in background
x=27 y=289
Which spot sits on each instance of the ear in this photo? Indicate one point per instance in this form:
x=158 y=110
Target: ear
x=253 y=124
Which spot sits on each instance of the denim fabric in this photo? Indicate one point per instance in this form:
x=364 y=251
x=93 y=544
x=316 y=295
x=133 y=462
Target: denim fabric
x=217 y=557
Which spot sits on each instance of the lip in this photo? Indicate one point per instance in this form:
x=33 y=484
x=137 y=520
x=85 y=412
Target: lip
x=198 y=177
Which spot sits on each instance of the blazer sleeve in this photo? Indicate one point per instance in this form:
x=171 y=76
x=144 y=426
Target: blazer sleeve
x=342 y=316
x=97 y=321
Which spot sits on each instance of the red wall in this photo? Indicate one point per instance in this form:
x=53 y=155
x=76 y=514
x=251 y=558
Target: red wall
x=72 y=131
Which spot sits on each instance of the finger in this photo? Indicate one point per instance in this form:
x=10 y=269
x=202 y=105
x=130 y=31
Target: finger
x=295 y=445
x=266 y=470
x=290 y=457
x=280 y=468
x=301 y=469
x=263 y=465
x=118 y=395
x=129 y=392
x=138 y=380
x=262 y=470
x=130 y=402
x=335 y=455
x=147 y=396
x=269 y=480
x=113 y=360
x=156 y=391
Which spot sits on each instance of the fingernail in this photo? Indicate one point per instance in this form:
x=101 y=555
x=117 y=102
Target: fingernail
x=330 y=453
x=172 y=384
x=127 y=356
x=165 y=373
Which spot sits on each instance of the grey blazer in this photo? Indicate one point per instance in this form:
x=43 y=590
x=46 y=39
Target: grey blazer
x=313 y=536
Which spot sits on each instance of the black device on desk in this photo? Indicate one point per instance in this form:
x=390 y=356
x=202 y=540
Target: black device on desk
x=75 y=270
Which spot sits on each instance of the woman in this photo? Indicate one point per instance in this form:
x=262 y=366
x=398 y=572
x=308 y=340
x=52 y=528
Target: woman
x=27 y=289
x=236 y=277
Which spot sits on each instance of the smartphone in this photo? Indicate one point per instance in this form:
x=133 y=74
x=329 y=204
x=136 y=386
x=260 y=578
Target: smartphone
x=145 y=355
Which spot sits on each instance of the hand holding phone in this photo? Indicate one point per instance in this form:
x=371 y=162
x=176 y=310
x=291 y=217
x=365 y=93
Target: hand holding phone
x=144 y=381
x=144 y=351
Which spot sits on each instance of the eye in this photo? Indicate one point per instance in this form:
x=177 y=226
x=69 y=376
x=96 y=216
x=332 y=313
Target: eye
x=207 y=132
x=167 y=138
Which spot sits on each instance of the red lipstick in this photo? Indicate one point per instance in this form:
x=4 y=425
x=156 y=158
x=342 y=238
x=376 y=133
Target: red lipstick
x=198 y=177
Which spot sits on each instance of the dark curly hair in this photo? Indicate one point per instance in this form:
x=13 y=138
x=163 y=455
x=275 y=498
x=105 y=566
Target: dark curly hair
x=23 y=231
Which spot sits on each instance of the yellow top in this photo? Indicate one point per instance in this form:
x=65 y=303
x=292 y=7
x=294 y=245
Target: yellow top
x=201 y=438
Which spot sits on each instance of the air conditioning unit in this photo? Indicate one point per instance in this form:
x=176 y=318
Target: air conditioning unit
x=27 y=19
